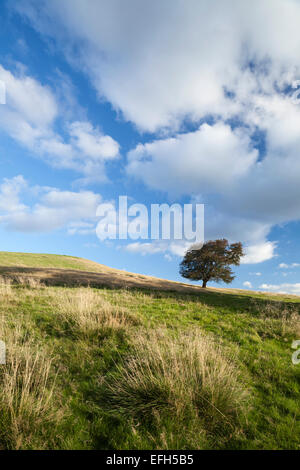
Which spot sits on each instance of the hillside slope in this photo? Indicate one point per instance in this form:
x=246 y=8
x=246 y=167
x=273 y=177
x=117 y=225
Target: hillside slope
x=45 y=260
x=141 y=368
x=63 y=270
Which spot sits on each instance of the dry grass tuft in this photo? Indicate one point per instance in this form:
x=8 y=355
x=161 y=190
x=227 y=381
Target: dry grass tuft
x=280 y=318
x=28 y=281
x=85 y=310
x=25 y=389
x=5 y=288
x=186 y=379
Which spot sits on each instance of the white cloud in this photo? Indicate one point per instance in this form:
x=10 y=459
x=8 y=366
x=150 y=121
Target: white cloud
x=247 y=284
x=82 y=228
x=176 y=248
x=93 y=143
x=145 y=248
x=30 y=115
x=258 y=253
x=255 y=274
x=137 y=58
x=282 y=288
x=27 y=99
x=286 y=266
x=160 y=62
x=207 y=160
x=9 y=194
x=55 y=209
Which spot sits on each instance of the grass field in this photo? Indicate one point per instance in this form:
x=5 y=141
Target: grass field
x=36 y=260
x=102 y=368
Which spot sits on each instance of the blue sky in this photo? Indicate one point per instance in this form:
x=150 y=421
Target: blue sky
x=161 y=101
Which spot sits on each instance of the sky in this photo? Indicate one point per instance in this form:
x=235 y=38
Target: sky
x=165 y=102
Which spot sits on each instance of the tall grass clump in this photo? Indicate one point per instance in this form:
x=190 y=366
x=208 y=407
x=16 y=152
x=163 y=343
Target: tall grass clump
x=84 y=310
x=280 y=319
x=5 y=289
x=26 y=391
x=185 y=382
x=27 y=281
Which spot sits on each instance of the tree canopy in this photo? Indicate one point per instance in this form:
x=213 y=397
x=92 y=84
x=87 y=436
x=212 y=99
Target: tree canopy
x=212 y=261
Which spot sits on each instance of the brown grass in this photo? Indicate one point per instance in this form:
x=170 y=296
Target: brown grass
x=187 y=380
x=280 y=318
x=5 y=289
x=26 y=389
x=86 y=310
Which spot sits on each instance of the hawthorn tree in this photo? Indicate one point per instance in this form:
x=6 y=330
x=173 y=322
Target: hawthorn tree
x=212 y=261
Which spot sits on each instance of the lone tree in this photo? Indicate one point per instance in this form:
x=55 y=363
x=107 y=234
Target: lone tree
x=212 y=261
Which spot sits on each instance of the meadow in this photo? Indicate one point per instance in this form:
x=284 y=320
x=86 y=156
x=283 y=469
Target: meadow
x=100 y=368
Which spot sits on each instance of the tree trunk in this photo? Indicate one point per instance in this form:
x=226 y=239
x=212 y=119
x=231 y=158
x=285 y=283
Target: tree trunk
x=204 y=284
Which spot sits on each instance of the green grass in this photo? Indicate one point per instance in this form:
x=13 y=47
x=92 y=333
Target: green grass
x=37 y=260
x=96 y=347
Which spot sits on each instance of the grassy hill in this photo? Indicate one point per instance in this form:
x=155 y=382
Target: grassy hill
x=36 y=260
x=70 y=271
x=93 y=364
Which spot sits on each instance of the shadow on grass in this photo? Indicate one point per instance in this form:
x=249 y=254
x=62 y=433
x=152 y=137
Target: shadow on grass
x=154 y=287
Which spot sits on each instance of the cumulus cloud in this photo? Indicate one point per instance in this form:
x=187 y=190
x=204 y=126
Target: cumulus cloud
x=176 y=248
x=247 y=284
x=208 y=160
x=29 y=116
x=55 y=209
x=140 y=56
x=91 y=142
x=9 y=194
x=287 y=266
x=282 y=288
x=159 y=62
x=258 y=253
x=28 y=99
